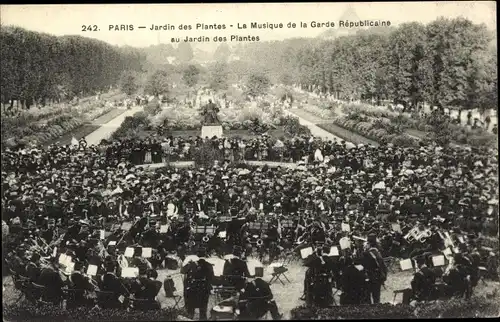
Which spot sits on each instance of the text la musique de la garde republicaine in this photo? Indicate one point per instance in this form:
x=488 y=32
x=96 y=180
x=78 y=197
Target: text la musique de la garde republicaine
x=238 y=37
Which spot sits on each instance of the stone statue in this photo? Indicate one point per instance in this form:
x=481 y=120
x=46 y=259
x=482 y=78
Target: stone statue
x=209 y=113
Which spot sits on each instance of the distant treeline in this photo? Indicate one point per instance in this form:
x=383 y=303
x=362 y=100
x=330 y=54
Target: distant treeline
x=447 y=63
x=37 y=67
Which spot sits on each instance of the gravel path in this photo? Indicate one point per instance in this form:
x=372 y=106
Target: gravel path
x=315 y=130
x=107 y=129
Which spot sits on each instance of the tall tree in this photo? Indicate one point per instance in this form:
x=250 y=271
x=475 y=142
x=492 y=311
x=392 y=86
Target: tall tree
x=129 y=83
x=257 y=85
x=191 y=75
x=185 y=52
x=158 y=83
x=218 y=78
x=222 y=52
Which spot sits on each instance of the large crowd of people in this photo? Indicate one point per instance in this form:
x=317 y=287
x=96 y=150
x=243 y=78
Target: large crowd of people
x=94 y=203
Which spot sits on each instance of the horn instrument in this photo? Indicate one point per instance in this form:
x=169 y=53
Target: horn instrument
x=424 y=235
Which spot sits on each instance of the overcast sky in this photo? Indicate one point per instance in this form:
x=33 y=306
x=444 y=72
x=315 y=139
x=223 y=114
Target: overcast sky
x=68 y=19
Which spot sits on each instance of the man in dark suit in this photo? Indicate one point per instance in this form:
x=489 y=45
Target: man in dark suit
x=256 y=300
x=375 y=267
x=199 y=204
x=236 y=269
x=317 y=283
x=423 y=282
x=351 y=283
x=198 y=284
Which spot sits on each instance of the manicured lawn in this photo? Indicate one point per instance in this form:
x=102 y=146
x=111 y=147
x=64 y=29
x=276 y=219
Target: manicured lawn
x=310 y=117
x=106 y=117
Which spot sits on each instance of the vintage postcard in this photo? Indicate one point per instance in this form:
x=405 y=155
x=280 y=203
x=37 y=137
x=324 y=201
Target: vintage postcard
x=249 y=161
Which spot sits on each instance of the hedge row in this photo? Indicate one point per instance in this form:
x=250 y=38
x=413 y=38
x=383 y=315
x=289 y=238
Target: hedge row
x=454 y=308
x=26 y=311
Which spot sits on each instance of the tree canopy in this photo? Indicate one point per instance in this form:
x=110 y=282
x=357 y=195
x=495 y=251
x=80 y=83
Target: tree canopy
x=447 y=63
x=37 y=67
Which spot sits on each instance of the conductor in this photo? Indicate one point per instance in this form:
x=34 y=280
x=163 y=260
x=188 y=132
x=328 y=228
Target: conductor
x=198 y=284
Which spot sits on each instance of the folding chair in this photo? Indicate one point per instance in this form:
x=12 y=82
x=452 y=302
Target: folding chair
x=278 y=272
x=177 y=299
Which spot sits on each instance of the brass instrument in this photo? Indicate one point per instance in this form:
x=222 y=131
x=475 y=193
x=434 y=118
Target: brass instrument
x=300 y=240
x=422 y=237
x=360 y=238
x=205 y=239
x=412 y=234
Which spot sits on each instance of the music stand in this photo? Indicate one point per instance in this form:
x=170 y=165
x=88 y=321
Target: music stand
x=254 y=226
x=200 y=229
x=287 y=223
x=209 y=230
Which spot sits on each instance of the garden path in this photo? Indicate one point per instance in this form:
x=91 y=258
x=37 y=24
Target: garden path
x=107 y=129
x=315 y=130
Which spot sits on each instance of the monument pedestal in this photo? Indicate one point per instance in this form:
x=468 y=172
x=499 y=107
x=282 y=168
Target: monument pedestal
x=211 y=131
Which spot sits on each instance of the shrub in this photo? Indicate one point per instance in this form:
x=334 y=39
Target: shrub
x=28 y=311
x=404 y=141
x=453 y=308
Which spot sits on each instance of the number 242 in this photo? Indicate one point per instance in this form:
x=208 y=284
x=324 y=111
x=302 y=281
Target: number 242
x=90 y=28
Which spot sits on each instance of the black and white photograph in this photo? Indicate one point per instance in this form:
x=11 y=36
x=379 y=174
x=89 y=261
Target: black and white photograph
x=249 y=161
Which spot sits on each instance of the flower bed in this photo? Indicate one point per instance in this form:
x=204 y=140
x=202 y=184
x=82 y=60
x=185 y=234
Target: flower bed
x=141 y=125
x=257 y=120
x=379 y=131
x=51 y=128
x=25 y=311
x=454 y=308
x=459 y=134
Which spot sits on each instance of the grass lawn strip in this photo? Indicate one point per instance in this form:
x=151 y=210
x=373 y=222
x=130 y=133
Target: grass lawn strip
x=106 y=117
x=311 y=117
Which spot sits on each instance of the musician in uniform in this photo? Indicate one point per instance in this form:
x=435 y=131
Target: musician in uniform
x=351 y=282
x=318 y=279
x=457 y=277
x=423 y=282
x=256 y=299
x=197 y=285
x=375 y=267
x=235 y=269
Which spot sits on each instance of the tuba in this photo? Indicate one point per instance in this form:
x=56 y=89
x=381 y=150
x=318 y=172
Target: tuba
x=412 y=235
x=422 y=237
